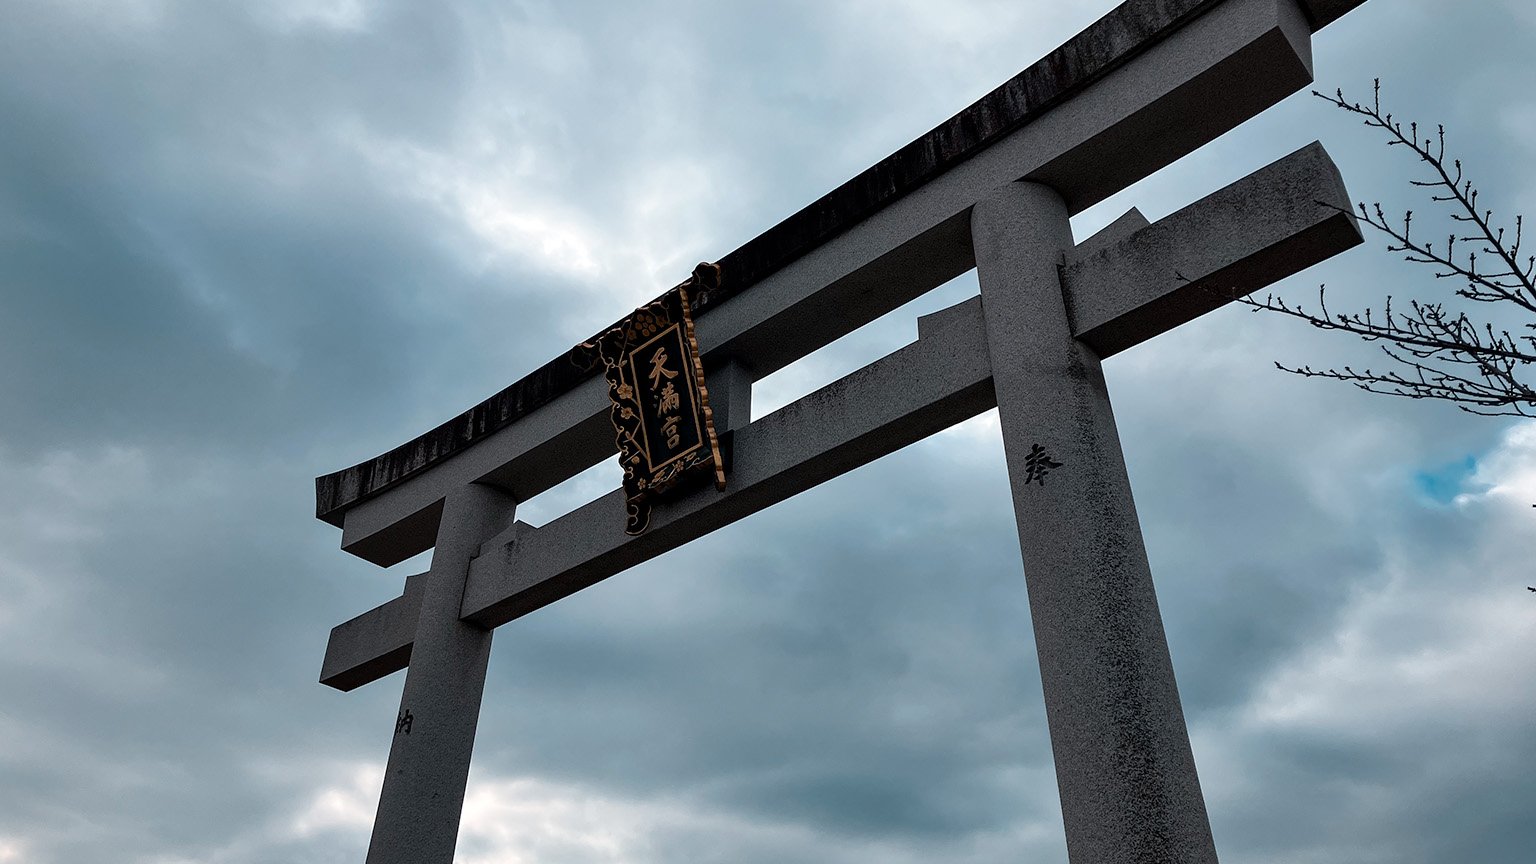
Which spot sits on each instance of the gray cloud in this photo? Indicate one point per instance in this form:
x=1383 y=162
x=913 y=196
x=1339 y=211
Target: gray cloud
x=243 y=246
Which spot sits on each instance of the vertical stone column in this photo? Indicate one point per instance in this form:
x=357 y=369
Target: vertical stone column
x=730 y=395
x=1129 y=792
x=423 y=795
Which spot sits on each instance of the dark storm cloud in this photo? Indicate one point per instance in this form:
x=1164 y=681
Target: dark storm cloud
x=852 y=685
x=205 y=289
x=193 y=224
x=243 y=245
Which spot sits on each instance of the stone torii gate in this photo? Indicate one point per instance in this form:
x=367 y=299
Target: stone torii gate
x=991 y=188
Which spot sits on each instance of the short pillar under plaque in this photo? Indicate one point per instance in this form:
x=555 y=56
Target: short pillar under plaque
x=1129 y=791
x=423 y=794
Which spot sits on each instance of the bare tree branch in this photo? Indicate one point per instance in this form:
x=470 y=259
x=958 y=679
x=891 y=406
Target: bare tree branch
x=1437 y=353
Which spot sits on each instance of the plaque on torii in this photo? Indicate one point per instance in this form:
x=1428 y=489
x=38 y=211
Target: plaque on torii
x=663 y=425
x=991 y=188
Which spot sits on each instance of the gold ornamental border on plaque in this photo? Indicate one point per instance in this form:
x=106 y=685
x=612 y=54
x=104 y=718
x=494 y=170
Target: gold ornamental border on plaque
x=665 y=432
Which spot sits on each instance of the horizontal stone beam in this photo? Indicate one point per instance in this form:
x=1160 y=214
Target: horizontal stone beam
x=937 y=381
x=1123 y=279
x=1271 y=224
x=564 y=437
x=1196 y=71
x=375 y=643
x=933 y=383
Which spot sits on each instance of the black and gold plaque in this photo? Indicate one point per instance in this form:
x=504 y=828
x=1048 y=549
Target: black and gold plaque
x=661 y=418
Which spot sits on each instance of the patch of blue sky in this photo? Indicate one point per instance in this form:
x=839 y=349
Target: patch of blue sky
x=1441 y=484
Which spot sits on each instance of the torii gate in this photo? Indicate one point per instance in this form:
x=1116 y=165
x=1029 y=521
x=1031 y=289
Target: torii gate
x=991 y=188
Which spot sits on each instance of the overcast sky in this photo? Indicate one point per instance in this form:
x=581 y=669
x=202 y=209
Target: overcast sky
x=243 y=244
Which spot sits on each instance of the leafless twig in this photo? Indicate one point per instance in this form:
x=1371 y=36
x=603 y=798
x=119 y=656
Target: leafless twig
x=1437 y=353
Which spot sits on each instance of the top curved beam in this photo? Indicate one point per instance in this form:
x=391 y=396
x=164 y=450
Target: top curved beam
x=1115 y=40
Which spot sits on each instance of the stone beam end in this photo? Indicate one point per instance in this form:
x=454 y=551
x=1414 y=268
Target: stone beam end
x=1271 y=224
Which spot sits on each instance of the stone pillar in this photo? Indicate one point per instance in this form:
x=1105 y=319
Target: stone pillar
x=423 y=795
x=1129 y=792
x=730 y=395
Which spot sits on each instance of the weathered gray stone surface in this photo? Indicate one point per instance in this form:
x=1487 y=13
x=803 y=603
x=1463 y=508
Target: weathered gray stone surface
x=1129 y=223
x=423 y=794
x=779 y=454
x=904 y=397
x=730 y=395
x=1148 y=83
x=992 y=188
x=1129 y=792
x=353 y=655
x=1275 y=222
x=565 y=436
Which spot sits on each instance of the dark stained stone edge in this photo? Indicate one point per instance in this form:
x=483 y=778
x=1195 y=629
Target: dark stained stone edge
x=1110 y=42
